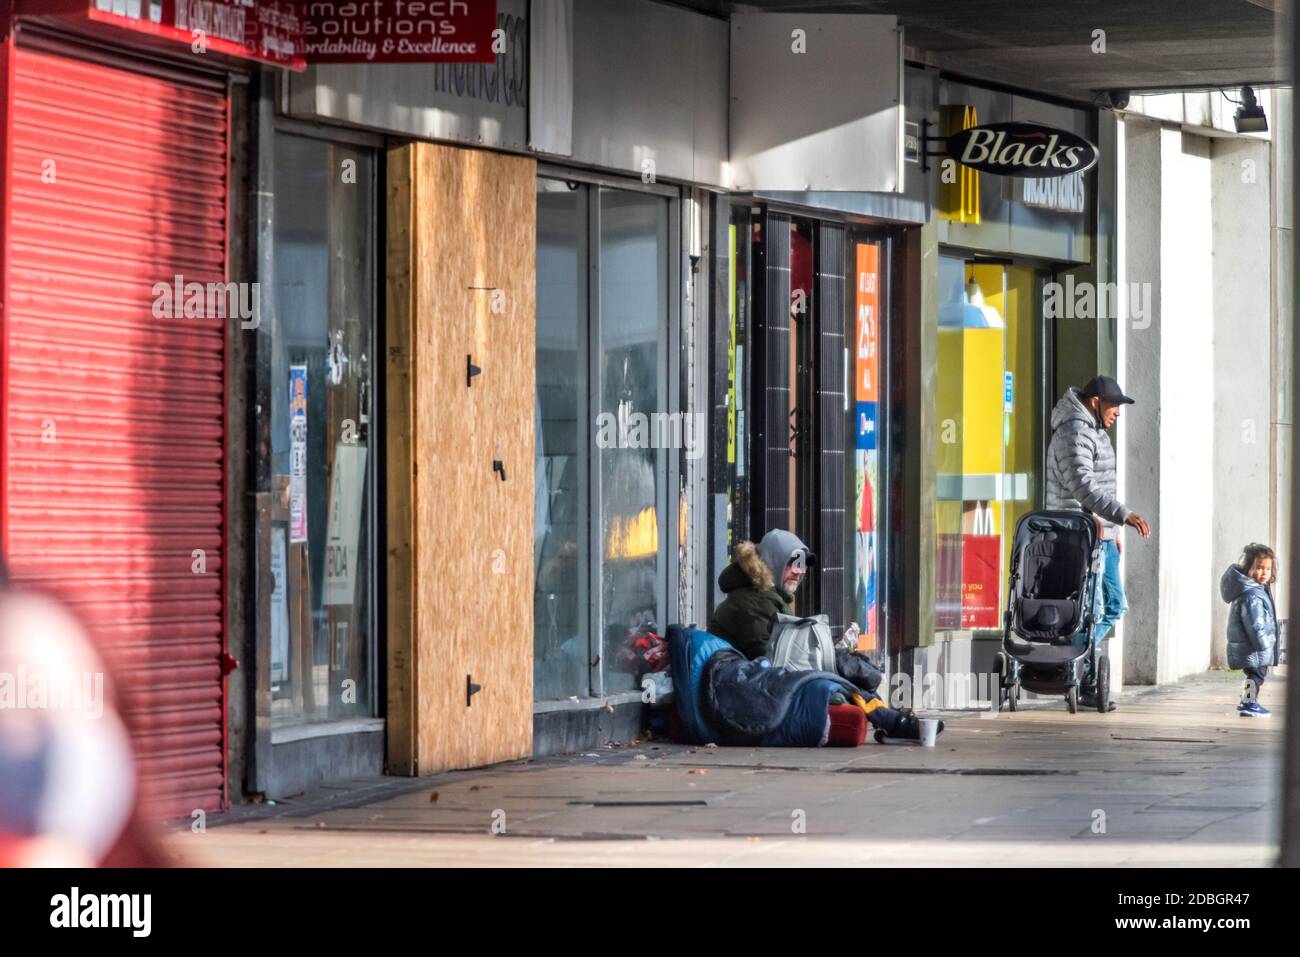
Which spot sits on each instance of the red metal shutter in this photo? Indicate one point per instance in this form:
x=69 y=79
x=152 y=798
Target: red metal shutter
x=114 y=423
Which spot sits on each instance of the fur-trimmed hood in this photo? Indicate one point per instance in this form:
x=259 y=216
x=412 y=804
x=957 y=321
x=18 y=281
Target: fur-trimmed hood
x=752 y=566
x=745 y=616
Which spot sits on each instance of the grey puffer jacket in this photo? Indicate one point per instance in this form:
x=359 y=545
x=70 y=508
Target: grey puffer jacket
x=1252 y=620
x=1081 y=465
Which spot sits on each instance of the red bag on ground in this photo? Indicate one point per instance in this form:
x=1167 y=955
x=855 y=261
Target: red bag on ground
x=848 y=726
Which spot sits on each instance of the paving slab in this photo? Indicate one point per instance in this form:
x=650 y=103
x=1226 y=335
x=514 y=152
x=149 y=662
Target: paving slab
x=1179 y=779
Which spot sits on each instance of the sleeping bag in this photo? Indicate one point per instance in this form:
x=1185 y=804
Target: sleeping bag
x=724 y=697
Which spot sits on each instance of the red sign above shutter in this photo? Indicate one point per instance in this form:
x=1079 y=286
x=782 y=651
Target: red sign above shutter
x=268 y=31
x=292 y=33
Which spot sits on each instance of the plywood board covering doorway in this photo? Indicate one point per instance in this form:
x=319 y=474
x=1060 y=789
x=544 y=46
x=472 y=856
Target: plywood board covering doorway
x=461 y=282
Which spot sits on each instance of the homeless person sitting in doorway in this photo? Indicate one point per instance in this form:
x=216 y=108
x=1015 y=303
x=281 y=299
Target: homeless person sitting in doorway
x=754 y=598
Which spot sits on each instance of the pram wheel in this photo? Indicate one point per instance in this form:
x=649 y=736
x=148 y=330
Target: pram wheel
x=1103 y=685
x=1072 y=699
x=1013 y=697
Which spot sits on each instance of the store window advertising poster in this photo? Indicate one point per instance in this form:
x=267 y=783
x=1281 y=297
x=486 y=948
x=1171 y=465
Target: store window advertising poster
x=866 y=395
x=279 y=606
x=342 y=538
x=297 y=454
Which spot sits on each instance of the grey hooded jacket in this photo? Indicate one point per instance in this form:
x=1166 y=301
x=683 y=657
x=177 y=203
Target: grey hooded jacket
x=1081 y=465
x=1252 y=620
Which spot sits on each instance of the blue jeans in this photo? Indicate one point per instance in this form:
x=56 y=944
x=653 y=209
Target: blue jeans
x=1110 y=604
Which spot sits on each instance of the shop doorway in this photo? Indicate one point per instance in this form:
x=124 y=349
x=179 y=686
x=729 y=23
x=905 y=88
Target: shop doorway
x=811 y=430
x=604 y=533
x=989 y=432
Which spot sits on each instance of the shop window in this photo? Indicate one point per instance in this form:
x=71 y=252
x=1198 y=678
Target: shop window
x=602 y=458
x=322 y=430
x=560 y=527
x=988 y=407
x=633 y=320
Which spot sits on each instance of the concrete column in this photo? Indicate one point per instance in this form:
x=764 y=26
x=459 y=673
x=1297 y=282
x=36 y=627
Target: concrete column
x=1282 y=246
x=1240 y=171
x=1186 y=401
x=1139 y=430
x=916 y=330
x=1174 y=439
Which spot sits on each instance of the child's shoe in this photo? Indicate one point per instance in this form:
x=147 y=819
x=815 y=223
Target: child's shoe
x=1247 y=710
x=1259 y=709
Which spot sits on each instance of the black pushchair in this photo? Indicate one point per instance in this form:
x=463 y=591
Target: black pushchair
x=1056 y=566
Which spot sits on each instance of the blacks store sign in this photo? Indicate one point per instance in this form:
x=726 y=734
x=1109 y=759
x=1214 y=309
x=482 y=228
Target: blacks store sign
x=1022 y=149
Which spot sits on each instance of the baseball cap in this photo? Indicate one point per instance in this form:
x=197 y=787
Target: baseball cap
x=1106 y=389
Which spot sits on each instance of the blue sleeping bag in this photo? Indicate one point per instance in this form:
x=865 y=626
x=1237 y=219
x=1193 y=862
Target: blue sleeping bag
x=689 y=650
x=724 y=697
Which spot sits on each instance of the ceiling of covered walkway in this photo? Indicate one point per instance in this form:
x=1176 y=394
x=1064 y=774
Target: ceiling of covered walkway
x=1048 y=45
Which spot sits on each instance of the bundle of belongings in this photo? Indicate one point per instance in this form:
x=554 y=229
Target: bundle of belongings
x=763 y=676
x=642 y=651
x=724 y=697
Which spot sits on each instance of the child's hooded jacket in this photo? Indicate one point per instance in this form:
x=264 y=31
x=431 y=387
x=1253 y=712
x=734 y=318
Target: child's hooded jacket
x=1252 y=621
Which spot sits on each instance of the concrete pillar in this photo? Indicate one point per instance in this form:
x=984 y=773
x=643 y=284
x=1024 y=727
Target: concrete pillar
x=1203 y=445
x=1139 y=428
x=1282 y=247
x=916 y=334
x=1186 y=399
x=1169 y=370
x=1240 y=171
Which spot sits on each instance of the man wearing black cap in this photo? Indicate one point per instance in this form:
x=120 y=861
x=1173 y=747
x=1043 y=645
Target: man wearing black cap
x=1081 y=475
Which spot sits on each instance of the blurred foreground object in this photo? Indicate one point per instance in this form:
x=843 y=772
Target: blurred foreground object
x=68 y=779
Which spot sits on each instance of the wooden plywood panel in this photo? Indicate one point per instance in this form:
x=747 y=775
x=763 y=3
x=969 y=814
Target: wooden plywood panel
x=472 y=222
x=400 y=425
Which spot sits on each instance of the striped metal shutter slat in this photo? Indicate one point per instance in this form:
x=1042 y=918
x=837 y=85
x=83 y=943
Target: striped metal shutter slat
x=115 y=429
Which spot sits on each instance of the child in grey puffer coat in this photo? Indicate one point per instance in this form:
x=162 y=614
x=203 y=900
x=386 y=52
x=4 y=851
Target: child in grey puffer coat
x=1252 y=623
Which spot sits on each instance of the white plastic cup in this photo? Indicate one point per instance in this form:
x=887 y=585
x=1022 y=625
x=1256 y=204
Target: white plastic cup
x=929 y=731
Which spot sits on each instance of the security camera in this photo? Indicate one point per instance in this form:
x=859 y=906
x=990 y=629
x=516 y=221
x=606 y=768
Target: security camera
x=1250 y=116
x=1117 y=99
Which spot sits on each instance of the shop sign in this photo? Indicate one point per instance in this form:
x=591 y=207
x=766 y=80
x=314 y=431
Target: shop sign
x=400 y=31
x=1022 y=149
x=268 y=31
x=1063 y=193
x=912 y=142
x=293 y=33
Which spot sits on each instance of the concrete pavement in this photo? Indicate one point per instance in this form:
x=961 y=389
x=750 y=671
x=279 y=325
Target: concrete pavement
x=1175 y=777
